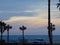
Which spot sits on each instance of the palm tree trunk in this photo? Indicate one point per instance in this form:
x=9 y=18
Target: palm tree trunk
x=8 y=35
x=1 y=36
x=1 y=33
x=49 y=21
x=23 y=37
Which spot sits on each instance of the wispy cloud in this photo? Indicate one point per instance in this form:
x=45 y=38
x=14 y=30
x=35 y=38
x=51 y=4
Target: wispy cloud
x=18 y=18
x=30 y=20
x=12 y=11
x=27 y=10
x=35 y=25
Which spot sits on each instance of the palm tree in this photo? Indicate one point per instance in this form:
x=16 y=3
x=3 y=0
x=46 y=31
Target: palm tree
x=49 y=21
x=51 y=26
x=8 y=27
x=58 y=5
x=22 y=29
x=2 y=25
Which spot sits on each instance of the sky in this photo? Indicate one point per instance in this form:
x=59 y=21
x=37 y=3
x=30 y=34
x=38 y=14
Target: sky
x=31 y=13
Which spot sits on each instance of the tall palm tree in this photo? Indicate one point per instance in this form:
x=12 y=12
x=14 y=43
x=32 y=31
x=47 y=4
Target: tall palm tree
x=8 y=27
x=49 y=21
x=22 y=29
x=51 y=27
x=58 y=5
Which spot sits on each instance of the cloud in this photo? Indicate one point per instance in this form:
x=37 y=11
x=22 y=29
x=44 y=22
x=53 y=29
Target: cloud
x=29 y=19
x=13 y=11
x=18 y=18
x=21 y=11
x=35 y=25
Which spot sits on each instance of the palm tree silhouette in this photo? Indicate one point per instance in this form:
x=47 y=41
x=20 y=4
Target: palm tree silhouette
x=58 y=5
x=51 y=26
x=2 y=28
x=8 y=27
x=49 y=21
x=22 y=29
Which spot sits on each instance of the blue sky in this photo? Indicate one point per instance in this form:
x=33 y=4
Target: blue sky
x=31 y=13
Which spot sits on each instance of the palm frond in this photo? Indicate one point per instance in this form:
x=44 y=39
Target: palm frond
x=59 y=0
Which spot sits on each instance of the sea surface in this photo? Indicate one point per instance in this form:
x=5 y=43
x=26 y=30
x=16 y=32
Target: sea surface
x=31 y=38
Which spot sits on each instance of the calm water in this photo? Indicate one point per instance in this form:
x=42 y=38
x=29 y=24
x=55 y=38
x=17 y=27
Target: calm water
x=32 y=38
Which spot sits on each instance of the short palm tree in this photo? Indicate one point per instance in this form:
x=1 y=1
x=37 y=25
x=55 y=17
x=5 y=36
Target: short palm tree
x=7 y=28
x=22 y=29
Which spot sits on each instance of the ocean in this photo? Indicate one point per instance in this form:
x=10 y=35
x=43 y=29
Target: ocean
x=32 y=38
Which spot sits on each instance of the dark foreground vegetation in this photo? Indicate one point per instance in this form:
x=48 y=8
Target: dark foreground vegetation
x=26 y=43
